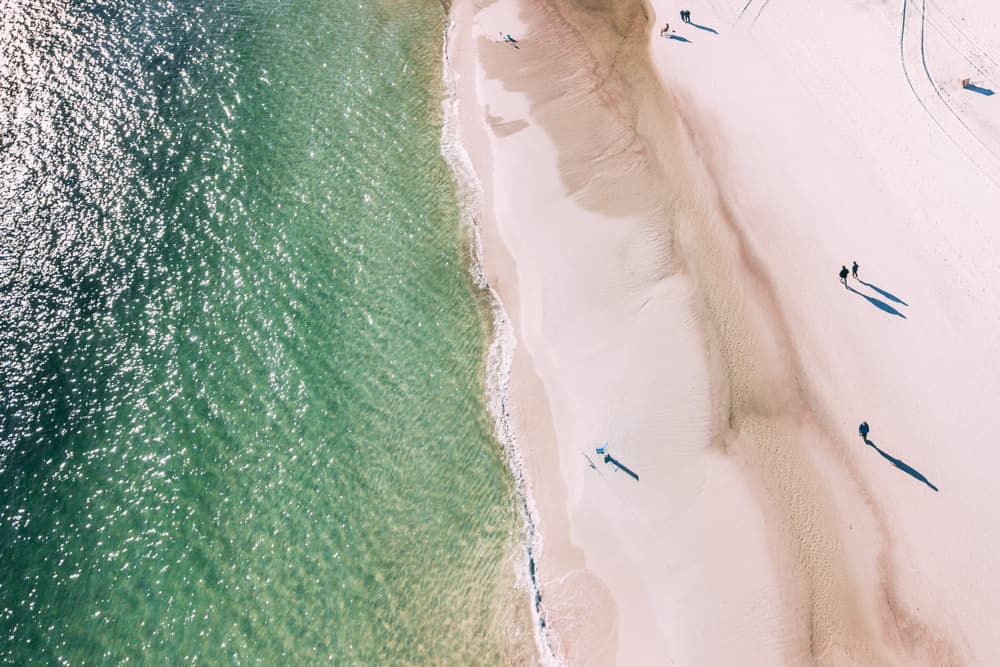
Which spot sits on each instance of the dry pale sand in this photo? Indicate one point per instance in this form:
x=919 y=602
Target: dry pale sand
x=663 y=220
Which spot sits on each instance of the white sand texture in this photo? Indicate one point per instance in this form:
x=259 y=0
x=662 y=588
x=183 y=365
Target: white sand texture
x=663 y=217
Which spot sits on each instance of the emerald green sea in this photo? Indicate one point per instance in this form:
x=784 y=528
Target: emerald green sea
x=241 y=354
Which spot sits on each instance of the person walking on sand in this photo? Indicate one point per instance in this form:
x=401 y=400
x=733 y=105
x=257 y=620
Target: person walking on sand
x=854 y=270
x=686 y=15
x=843 y=275
x=863 y=430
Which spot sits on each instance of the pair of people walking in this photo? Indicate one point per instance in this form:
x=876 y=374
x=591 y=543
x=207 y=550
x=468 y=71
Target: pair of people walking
x=844 y=273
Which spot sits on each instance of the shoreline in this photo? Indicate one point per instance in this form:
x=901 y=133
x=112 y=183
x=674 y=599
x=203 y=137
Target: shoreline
x=499 y=362
x=569 y=581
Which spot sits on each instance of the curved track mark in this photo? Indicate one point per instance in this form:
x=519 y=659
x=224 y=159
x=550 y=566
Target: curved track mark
x=937 y=90
x=742 y=11
x=934 y=117
x=964 y=45
x=759 y=11
x=906 y=72
x=960 y=31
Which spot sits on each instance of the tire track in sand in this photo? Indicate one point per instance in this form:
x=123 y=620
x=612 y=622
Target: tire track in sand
x=913 y=55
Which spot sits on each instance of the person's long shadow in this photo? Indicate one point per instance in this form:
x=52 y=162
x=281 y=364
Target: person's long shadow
x=878 y=303
x=704 y=27
x=678 y=38
x=621 y=466
x=979 y=89
x=891 y=297
x=909 y=470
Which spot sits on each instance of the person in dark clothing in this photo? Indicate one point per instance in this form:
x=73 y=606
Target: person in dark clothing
x=843 y=275
x=854 y=270
x=863 y=430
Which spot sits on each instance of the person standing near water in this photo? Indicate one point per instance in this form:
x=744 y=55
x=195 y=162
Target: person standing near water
x=854 y=270
x=843 y=275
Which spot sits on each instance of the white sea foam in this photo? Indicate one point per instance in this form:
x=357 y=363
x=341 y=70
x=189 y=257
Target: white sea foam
x=501 y=350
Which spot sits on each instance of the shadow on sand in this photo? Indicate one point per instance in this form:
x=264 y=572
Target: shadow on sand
x=878 y=303
x=891 y=297
x=618 y=464
x=678 y=38
x=978 y=89
x=909 y=470
x=509 y=40
x=704 y=27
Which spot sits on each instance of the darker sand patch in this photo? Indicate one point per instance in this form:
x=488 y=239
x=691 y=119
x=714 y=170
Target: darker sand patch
x=504 y=128
x=571 y=67
x=768 y=382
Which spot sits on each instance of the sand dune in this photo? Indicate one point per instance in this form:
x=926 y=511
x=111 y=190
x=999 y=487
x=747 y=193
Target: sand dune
x=663 y=219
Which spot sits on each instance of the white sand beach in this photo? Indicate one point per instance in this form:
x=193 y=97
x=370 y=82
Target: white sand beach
x=663 y=219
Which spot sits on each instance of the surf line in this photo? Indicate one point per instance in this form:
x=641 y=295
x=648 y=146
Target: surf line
x=500 y=354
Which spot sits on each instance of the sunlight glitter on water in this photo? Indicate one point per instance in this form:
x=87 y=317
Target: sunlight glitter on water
x=235 y=321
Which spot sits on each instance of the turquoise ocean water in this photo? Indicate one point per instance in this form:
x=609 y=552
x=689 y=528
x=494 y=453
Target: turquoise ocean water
x=241 y=357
